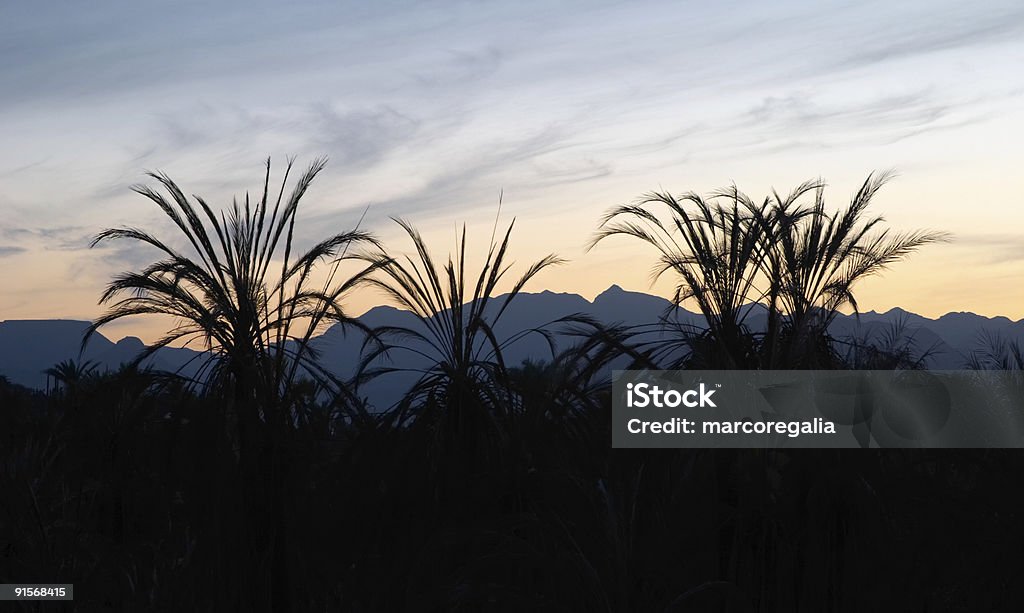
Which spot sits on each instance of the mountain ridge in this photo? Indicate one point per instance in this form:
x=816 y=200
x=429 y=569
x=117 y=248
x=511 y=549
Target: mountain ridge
x=30 y=346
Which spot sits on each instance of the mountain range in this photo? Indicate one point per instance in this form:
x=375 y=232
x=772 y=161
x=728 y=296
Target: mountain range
x=29 y=347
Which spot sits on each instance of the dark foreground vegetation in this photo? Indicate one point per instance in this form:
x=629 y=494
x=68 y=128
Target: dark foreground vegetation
x=271 y=485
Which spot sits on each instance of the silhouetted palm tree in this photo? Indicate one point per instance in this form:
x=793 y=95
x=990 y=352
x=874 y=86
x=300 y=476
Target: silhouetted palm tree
x=461 y=398
x=227 y=293
x=818 y=258
x=69 y=374
x=893 y=348
x=715 y=248
x=465 y=358
x=996 y=352
x=242 y=290
x=801 y=261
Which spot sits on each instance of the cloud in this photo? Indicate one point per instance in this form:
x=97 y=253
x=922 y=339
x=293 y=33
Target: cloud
x=9 y=250
x=993 y=248
x=359 y=138
x=481 y=169
x=816 y=121
x=800 y=111
x=933 y=30
x=462 y=67
x=885 y=118
x=104 y=52
x=60 y=238
x=23 y=168
x=215 y=137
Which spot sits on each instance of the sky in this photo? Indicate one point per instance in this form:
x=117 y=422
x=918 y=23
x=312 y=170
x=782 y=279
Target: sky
x=430 y=110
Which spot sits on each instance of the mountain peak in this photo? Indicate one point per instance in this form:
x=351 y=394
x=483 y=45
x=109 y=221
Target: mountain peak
x=613 y=291
x=961 y=314
x=132 y=342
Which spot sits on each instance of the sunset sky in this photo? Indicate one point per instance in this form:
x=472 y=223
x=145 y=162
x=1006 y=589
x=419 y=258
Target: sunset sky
x=429 y=110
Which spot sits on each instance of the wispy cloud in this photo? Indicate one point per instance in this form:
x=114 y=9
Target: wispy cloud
x=428 y=110
x=58 y=238
x=920 y=31
x=994 y=248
